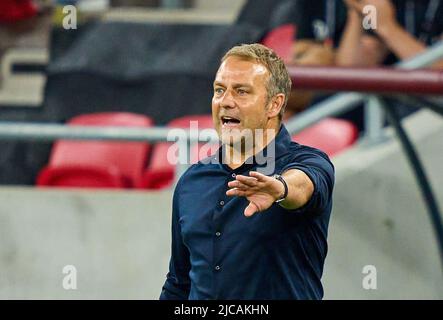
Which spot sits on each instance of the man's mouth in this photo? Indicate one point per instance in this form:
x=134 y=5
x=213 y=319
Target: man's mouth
x=229 y=122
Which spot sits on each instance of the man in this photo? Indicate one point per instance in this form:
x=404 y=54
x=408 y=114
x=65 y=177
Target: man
x=404 y=29
x=238 y=231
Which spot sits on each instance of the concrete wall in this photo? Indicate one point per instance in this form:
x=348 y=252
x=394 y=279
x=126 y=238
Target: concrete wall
x=380 y=219
x=119 y=241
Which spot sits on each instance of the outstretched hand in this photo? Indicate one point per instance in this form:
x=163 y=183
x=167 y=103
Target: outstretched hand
x=261 y=191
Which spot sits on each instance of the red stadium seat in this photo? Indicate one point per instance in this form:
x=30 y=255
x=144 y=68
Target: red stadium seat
x=98 y=164
x=161 y=172
x=82 y=176
x=15 y=10
x=330 y=135
x=281 y=40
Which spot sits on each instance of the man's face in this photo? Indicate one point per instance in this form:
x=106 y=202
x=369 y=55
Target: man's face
x=240 y=97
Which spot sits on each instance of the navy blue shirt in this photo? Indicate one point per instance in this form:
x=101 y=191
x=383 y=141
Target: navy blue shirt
x=219 y=253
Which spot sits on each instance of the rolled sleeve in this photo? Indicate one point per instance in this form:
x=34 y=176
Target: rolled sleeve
x=320 y=170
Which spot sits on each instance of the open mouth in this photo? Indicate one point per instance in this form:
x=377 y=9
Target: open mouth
x=229 y=121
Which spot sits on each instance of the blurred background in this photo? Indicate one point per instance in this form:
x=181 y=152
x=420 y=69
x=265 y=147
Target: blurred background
x=135 y=69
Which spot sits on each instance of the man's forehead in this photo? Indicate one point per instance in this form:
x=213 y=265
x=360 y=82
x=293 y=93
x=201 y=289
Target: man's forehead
x=240 y=68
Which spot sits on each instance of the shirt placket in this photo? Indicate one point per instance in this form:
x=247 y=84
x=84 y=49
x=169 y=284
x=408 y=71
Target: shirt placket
x=217 y=237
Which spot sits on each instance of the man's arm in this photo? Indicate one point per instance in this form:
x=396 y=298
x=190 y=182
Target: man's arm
x=349 y=51
x=177 y=284
x=300 y=189
x=356 y=48
x=309 y=182
x=403 y=44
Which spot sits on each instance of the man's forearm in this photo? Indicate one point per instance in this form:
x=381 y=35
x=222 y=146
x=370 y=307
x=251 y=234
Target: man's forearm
x=402 y=43
x=300 y=189
x=348 y=52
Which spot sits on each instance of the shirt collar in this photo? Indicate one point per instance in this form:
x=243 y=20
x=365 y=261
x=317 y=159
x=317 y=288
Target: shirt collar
x=275 y=149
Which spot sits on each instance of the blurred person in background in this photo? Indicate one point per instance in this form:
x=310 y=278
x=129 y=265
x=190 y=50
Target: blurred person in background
x=252 y=225
x=318 y=28
x=404 y=29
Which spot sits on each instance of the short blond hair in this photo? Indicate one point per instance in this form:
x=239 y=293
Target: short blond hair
x=279 y=80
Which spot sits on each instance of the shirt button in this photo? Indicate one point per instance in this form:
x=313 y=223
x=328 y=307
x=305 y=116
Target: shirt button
x=218 y=234
x=233 y=175
x=222 y=203
x=217 y=268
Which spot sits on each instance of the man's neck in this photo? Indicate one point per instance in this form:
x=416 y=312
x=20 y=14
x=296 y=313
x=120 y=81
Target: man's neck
x=235 y=158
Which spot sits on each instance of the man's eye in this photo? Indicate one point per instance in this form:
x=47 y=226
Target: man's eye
x=218 y=91
x=241 y=92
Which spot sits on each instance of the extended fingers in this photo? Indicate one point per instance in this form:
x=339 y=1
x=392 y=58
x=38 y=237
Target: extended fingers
x=239 y=189
x=247 y=185
x=238 y=184
x=237 y=192
x=255 y=181
x=260 y=176
x=249 y=181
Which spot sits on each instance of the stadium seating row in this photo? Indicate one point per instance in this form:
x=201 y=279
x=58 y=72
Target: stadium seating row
x=105 y=164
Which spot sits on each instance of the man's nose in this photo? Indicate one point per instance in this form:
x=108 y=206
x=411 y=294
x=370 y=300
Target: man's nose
x=227 y=101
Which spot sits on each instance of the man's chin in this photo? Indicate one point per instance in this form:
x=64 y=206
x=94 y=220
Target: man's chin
x=236 y=138
x=230 y=139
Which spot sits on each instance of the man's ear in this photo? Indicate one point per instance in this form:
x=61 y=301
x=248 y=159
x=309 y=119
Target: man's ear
x=275 y=105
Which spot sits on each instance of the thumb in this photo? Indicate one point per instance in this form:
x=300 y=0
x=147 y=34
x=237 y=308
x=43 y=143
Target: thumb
x=251 y=209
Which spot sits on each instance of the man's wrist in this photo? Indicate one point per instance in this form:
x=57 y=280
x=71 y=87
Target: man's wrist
x=281 y=196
